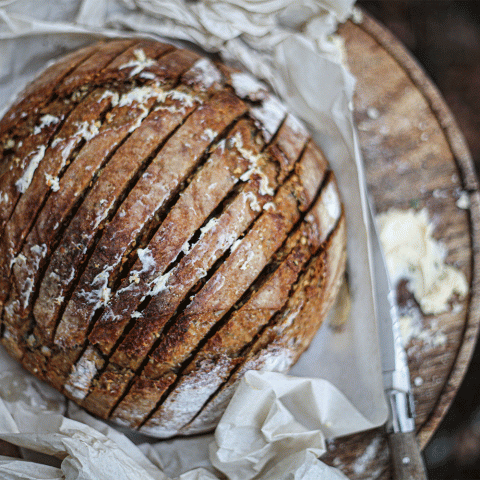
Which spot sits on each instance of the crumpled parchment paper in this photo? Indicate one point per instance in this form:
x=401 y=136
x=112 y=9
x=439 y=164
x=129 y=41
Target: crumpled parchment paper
x=278 y=434
x=276 y=425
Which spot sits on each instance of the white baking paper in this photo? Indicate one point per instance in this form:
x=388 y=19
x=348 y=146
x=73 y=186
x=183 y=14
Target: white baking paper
x=336 y=388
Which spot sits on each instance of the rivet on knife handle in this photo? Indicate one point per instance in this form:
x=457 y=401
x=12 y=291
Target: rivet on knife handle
x=406 y=459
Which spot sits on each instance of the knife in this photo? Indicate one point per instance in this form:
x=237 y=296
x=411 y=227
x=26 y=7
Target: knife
x=400 y=427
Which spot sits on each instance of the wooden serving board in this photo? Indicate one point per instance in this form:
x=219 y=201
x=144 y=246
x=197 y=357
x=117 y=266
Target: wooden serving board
x=415 y=157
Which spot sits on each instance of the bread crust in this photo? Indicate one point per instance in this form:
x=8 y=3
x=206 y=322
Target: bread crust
x=29 y=151
x=166 y=228
x=95 y=60
x=174 y=164
x=54 y=161
x=86 y=72
x=118 y=238
x=218 y=171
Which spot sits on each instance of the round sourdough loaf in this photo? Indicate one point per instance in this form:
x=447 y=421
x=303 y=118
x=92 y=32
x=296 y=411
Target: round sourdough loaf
x=165 y=225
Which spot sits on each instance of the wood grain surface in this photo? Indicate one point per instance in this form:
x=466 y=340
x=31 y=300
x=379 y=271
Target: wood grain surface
x=415 y=157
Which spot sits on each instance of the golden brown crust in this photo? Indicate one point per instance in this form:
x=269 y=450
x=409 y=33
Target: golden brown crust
x=106 y=390
x=26 y=151
x=289 y=339
x=212 y=364
x=80 y=234
x=159 y=244
x=131 y=352
x=135 y=62
x=142 y=397
x=71 y=188
x=18 y=178
x=175 y=163
x=61 y=364
x=223 y=170
x=234 y=277
x=111 y=185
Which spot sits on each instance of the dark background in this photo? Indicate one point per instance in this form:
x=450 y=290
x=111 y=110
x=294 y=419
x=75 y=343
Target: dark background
x=444 y=36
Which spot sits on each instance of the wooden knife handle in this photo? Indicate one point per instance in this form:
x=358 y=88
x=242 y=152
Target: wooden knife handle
x=406 y=457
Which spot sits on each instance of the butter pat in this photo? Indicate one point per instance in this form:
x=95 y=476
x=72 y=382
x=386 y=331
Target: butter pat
x=413 y=254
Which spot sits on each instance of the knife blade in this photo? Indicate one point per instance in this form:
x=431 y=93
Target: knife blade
x=400 y=427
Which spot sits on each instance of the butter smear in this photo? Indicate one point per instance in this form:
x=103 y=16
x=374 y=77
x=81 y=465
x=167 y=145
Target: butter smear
x=413 y=254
